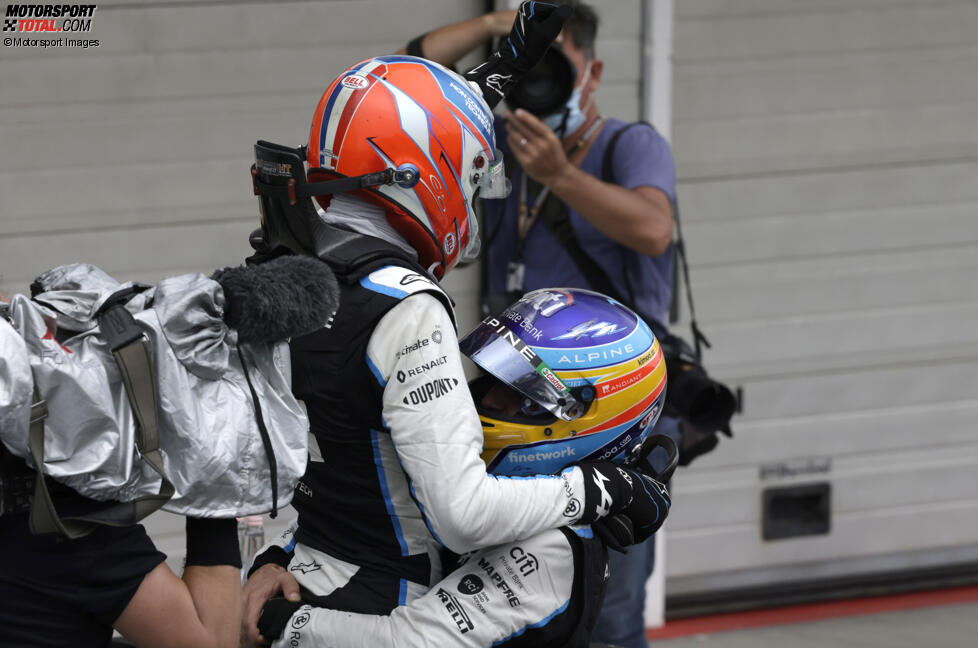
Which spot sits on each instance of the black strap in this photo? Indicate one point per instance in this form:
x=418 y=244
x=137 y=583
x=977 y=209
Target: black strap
x=607 y=174
x=327 y=187
x=118 y=327
x=556 y=217
x=16 y=483
x=265 y=439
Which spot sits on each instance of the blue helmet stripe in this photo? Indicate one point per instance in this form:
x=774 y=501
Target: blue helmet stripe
x=329 y=106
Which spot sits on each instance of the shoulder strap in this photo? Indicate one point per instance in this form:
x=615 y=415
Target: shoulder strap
x=607 y=174
x=556 y=217
x=131 y=354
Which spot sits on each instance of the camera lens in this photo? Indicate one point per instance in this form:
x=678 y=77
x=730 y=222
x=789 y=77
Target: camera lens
x=697 y=397
x=547 y=87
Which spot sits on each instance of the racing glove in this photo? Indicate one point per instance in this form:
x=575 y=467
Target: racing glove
x=608 y=489
x=640 y=518
x=275 y=616
x=536 y=26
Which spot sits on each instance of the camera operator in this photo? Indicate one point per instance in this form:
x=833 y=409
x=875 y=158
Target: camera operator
x=565 y=217
x=60 y=592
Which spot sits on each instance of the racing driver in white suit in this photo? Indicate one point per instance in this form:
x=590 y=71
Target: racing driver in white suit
x=544 y=590
x=398 y=149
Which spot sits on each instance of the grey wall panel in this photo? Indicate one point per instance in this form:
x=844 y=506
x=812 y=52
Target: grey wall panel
x=807 y=142
x=721 y=9
x=856 y=480
x=619 y=46
x=864 y=534
x=779 y=31
x=834 y=233
x=784 y=287
x=829 y=433
x=146 y=252
x=858 y=80
x=807 y=392
x=733 y=194
x=827 y=159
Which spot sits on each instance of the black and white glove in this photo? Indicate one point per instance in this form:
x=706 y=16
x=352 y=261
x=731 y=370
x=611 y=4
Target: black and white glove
x=608 y=489
x=649 y=507
x=275 y=616
x=536 y=26
x=628 y=504
x=640 y=518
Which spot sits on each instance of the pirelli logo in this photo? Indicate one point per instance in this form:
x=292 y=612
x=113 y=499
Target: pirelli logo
x=459 y=615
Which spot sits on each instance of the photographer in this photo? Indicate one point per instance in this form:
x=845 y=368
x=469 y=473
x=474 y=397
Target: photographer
x=571 y=222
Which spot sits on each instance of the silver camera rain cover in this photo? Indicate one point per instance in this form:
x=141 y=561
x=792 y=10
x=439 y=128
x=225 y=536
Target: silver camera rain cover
x=209 y=437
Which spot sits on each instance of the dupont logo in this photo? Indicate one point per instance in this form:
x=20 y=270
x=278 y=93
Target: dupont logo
x=48 y=18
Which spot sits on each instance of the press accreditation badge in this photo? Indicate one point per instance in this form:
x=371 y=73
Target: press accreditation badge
x=514 y=276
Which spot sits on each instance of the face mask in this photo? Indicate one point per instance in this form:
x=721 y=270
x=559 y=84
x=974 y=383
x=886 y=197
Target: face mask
x=571 y=117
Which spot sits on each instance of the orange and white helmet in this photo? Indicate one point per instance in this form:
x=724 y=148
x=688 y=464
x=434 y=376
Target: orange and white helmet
x=431 y=132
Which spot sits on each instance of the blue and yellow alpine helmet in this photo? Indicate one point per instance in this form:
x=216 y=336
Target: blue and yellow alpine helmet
x=572 y=375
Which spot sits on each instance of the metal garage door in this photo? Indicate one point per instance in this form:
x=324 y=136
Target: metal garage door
x=828 y=159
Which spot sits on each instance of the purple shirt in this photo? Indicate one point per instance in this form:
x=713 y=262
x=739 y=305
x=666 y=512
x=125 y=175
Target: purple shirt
x=642 y=158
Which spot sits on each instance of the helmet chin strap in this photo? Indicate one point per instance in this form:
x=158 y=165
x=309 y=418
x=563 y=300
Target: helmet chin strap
x=405 y=178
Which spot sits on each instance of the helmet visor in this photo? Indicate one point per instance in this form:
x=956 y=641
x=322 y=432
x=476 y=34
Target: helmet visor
x=498 y=350
x=490 y=181
x=490 y=176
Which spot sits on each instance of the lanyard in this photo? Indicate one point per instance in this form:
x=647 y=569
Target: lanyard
x=527 y=215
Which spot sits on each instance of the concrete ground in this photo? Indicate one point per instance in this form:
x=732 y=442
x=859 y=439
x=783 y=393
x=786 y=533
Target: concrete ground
x=950 y=626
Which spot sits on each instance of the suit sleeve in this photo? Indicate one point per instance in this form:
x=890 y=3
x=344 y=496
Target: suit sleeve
x=438 y=438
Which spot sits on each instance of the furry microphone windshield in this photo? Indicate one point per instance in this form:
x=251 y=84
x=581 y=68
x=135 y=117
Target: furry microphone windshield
x=285 y=297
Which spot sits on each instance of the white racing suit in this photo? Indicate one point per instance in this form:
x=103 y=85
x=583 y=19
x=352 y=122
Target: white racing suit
x=543 y=591
x=395 y=475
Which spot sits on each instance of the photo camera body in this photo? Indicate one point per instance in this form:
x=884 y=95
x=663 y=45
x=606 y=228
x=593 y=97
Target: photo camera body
x=547 y=86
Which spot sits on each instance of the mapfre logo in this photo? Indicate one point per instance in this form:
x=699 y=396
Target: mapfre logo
x=48 y=18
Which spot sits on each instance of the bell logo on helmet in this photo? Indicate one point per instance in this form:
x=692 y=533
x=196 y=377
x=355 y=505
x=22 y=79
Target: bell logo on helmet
x=449 y=243
x=355 y=82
